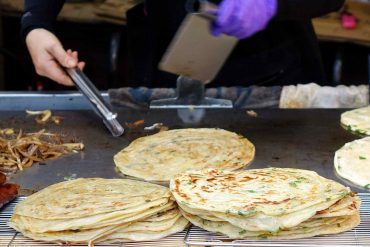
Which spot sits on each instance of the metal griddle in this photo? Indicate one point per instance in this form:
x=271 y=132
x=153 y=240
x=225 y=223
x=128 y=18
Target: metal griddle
x=283 y=138
x=304 y=139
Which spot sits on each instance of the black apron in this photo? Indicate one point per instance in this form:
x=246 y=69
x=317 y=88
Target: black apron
x=286 y=52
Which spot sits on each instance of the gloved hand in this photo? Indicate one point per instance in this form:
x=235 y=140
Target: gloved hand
x=243 y=18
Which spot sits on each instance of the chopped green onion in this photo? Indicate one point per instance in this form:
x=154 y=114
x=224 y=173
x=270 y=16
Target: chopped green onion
x=293 y=184
x=251 y=191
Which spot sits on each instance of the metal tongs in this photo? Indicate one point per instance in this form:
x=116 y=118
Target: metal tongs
x=101 y=108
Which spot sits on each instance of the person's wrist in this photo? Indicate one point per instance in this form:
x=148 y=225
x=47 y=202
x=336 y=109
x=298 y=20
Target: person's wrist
x=26 y=30
x=33 y=32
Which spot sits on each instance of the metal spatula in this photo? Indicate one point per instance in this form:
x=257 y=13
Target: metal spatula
x=195 y=52
x=196 y=56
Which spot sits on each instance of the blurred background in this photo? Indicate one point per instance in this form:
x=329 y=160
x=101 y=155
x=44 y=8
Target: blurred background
x=97 y=30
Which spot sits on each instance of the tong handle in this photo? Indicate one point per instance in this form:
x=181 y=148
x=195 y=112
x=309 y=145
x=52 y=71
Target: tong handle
x=99 y=105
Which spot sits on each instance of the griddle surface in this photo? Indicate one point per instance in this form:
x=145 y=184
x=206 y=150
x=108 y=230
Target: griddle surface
x=304 y=139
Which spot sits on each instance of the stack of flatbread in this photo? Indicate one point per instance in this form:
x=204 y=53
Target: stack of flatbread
x=161 y=156
x=98 y=210
x=271 y=203
x=357 y=120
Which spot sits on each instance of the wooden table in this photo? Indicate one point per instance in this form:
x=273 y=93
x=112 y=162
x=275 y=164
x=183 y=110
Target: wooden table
x=329 y=27
x=110 y=11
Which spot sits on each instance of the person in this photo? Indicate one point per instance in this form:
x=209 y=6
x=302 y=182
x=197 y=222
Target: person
x=277 y=40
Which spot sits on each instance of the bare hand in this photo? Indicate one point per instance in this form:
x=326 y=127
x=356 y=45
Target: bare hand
x=49 y=57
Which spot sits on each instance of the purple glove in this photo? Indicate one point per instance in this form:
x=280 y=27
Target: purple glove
x=243 y=18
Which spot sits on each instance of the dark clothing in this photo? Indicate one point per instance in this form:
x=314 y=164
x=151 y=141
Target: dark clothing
x=40 y=14
x=285 y=52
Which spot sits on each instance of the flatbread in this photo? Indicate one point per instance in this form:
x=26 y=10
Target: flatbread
x=71 y=236
x=263 y=199
x=138 y=231
x=161 y=156
x=352 y=162
x=349 y=205
x=270 y=190
x=93 y=209
x=357 y=120
x=316 y=227
x=93 y=222
x=124 y=236
x=91 y=196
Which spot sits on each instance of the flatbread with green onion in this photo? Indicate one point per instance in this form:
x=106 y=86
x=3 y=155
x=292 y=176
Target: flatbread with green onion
x=275 y=203
x=161 y=156
x=357 y=121
x=352 y=162
x=91 y=210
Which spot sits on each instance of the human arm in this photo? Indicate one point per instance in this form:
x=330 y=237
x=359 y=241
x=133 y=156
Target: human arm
x=47 y=53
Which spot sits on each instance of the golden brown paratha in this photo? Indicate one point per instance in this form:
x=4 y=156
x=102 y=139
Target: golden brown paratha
x=262 y=200
x=161 y=156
